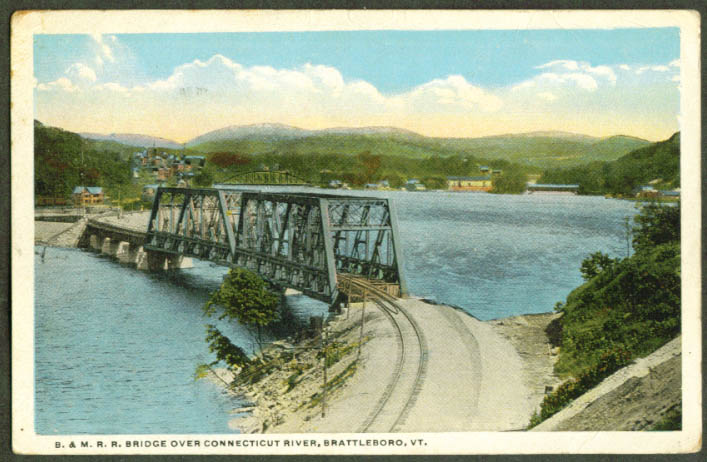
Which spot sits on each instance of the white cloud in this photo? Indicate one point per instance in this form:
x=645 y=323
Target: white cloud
x=674 y=63
x=547 y=96
x=452 y=92
x=578 y=79
x=210 y=94
x=565 y=64
x=578 y=72
x=659 y=68
x=104 y=49
x=81 y=72
x=62 y=83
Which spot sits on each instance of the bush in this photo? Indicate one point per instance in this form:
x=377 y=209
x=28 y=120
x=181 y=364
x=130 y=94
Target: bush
x=609 y=362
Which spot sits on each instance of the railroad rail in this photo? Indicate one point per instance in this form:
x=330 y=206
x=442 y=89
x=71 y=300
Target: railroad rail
x=398 y=398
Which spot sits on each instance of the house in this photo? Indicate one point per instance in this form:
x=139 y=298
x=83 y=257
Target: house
x=414 y=184
x=148 y=191
x=469 y=183
x=88 y=195
x=553 y=188
x=484 y=170
x=646 y=191
x=163 y=173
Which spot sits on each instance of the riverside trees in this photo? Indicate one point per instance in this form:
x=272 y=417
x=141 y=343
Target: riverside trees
x=626 y=309
x=245 y=298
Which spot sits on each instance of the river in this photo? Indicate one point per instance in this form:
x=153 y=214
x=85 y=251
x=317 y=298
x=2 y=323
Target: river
x=116 y=348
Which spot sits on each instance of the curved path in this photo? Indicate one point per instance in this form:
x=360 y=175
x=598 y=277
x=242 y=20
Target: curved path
x=405 y=383
x=450 y=372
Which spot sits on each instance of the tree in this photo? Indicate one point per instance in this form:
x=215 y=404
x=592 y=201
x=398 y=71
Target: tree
x=656 y=224
x=204 y=178
x=595 y=264
x=510 y=182
x=226 y=351
x=244 y=297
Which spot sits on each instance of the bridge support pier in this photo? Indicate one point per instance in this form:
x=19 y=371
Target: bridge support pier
x=123 y=252
x=94 y=243
x=105 y=246
x=139 y=256
x=113 y=247
x=158 y=261
x=179 y=262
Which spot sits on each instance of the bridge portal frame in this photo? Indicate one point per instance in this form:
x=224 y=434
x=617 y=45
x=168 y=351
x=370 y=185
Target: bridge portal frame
x=291 y=239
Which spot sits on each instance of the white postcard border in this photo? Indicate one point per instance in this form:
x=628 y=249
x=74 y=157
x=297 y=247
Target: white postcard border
x=26 y=24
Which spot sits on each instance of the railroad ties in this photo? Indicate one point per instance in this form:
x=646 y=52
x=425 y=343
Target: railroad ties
x=400 y=394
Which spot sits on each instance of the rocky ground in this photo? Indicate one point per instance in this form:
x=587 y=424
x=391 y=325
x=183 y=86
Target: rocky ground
x=527 y=334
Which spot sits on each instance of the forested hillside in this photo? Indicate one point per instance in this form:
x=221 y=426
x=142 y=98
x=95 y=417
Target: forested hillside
x=63 y=160
x=543 y=149
x=658 y=161
x=626 y=309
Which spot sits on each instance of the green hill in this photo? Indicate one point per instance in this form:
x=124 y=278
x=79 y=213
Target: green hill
x=626 y=309
x=658 y=163
x=547 y=150
x=541 y=149
x=63 y=160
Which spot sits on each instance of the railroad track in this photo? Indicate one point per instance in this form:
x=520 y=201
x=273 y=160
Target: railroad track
x=399 y=397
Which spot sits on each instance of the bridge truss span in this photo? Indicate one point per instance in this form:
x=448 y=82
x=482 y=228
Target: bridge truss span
x=296 y=240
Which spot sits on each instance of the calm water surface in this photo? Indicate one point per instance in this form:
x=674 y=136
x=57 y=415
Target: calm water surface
x=116 y=348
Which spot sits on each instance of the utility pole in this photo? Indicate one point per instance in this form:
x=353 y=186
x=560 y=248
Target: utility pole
x=326 y=357
x=363 y=319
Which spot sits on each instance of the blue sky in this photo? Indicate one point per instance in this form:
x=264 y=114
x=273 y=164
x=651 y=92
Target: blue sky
x=393 y=62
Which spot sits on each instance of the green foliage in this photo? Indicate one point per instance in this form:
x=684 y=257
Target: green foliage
x=657 y=224
x=657 y=161
x=434 y=182
x=244 y=297
x=63 y=160
x=626 y=308
x=633 y=303
x=510 y=182
x=371 y=163
x=232 y=355
x=532 y=150
x=609 y=362
x=204 y=178
x=595 y=264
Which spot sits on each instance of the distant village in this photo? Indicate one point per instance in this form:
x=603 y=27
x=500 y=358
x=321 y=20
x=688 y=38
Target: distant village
x=163 y=167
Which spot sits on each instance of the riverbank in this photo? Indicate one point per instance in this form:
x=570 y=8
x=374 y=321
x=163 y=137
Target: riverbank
x=66 y=235
x=479 y=376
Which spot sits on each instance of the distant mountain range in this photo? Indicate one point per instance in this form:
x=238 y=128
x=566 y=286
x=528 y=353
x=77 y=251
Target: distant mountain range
x=132 y=139
x=540 y=149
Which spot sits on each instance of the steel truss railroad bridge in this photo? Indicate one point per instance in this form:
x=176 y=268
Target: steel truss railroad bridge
x=293 y=240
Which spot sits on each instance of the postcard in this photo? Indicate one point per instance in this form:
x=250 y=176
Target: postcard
x=356 y=232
